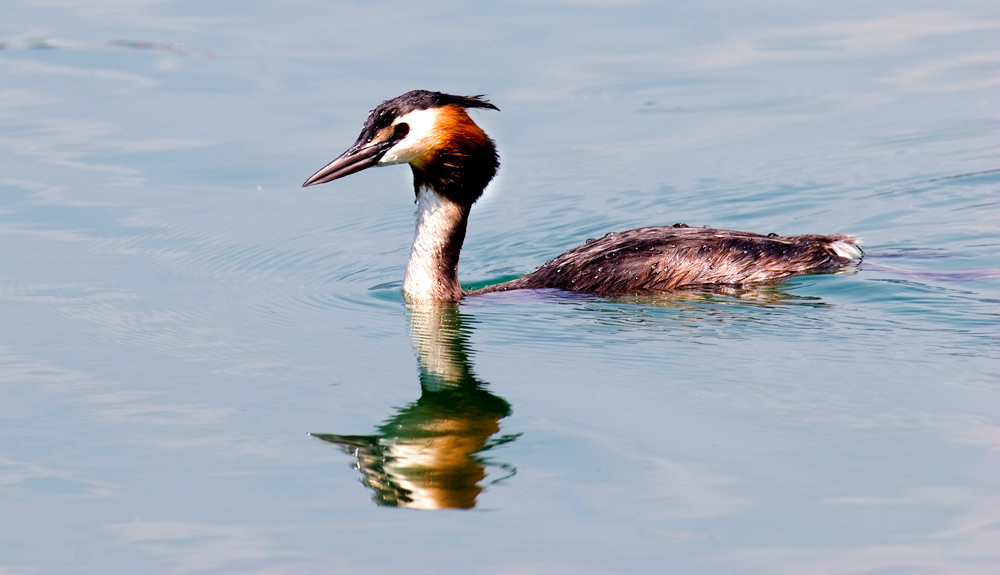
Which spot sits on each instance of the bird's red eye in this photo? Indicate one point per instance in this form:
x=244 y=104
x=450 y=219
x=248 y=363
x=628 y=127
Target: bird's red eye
x=401 y=130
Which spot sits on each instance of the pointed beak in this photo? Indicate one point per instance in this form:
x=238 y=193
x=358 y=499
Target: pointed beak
x=351 y=161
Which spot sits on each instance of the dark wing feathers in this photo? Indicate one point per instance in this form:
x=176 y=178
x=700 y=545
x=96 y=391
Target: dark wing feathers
x=660 y=259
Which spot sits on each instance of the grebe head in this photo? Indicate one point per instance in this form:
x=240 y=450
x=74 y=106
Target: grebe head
x=432 y=133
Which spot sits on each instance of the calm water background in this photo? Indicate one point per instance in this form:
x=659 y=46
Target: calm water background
x=176 y=314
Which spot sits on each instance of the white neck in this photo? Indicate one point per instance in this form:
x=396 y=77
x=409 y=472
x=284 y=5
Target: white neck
x=432 y=272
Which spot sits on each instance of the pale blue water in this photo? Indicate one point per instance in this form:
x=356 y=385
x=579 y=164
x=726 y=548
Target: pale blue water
x=177 y=315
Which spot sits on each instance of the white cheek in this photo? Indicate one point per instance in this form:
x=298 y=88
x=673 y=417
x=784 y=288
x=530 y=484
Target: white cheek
x=402 y=153
x=421 y=124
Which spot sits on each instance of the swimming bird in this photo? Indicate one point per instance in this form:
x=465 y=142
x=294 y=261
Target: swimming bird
x=453 y=160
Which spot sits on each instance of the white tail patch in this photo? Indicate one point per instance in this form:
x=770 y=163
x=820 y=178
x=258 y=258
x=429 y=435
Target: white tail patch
x=847 y=249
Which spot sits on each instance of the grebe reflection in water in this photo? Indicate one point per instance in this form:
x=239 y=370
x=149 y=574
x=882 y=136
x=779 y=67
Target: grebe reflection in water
x=428 y=454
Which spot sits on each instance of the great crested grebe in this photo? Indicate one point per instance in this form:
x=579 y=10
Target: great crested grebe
x=452 y=161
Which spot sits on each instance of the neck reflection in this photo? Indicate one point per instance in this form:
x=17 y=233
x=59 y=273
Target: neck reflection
x=428 y=454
